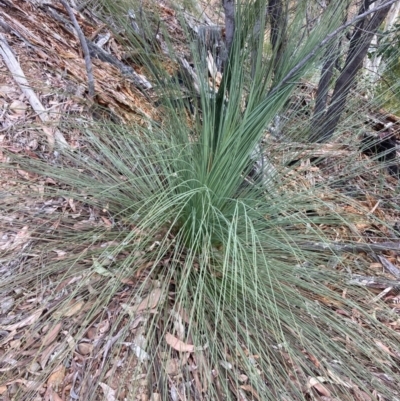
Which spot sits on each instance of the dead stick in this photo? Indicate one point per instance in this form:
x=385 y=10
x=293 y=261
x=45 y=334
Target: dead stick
x=340 y=247
x=372 y=282
x=85 y=48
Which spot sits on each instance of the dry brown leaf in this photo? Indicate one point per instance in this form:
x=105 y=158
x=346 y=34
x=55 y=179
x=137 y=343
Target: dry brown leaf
x=149 y=302
x=177 y=344
x=69 y=310
x=49 y=180
x=57 y=377
x=18 y=107
x=72 y=204
x=316 y=382
x=91 y=333
x=85 y=348
x=106 y=221
x=314 y=360
x=250 y=389
x=375 y=265
x=52 y=334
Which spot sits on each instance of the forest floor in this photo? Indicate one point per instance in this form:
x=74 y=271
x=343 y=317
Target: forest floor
x=51 y=60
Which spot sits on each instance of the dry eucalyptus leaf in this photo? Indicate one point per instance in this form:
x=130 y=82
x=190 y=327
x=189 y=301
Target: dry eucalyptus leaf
x=85 y=348
x=18 y=107
x=177 y=344
x=251 y=390
x=316 y=382
x=52 y=334
x=69 y=310
x=57 y=377
x=149 y=302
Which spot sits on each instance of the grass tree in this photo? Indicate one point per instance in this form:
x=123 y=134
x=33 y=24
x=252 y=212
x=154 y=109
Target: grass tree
x=189 y=278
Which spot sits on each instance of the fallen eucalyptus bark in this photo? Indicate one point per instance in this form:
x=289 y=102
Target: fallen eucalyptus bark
x=138 y=79
x=96 y=51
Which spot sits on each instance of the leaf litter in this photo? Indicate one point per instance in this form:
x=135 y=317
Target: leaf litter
x=52 y=333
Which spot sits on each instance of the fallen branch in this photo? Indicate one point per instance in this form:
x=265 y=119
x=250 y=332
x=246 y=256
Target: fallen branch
x=373 y=282
x=85 y=48
x=352 y=248
x=19 y=76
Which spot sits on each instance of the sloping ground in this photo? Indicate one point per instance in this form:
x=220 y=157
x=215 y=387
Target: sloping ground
x=50 y=56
